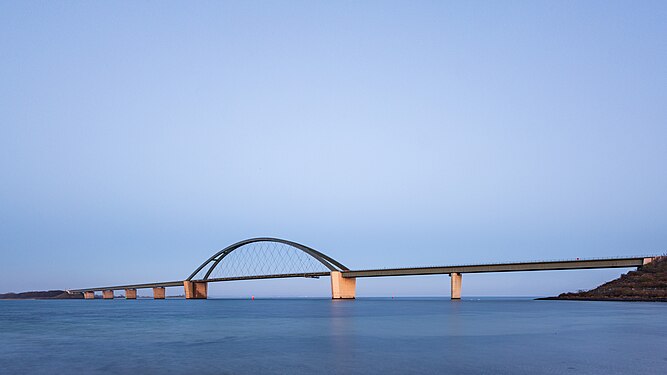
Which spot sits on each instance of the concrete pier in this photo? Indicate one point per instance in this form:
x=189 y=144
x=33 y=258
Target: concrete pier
x=341 y=287
x=130 y=294
x=195 y=290
x=456 y=285
x=158 y=292
x=89 y=295
x=107 y=294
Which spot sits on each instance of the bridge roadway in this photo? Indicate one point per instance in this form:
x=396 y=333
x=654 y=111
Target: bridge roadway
x=165 y=284
x=346 y=279
x=578 y=264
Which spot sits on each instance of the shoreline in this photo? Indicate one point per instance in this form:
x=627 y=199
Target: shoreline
x=602 y=299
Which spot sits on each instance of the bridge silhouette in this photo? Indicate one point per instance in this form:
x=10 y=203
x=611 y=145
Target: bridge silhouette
x=272 y=258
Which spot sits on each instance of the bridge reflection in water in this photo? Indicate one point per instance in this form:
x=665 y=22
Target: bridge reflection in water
x=272 y=258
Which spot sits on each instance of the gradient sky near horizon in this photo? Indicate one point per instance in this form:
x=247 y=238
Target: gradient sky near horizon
x=138 y=138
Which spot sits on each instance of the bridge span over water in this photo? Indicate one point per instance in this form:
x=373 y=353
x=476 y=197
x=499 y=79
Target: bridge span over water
x=272 y=258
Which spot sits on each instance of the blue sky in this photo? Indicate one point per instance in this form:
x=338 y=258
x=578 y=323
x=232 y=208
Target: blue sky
x=136 y=139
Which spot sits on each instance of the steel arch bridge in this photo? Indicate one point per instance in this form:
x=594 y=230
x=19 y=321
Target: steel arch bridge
x=269 y=258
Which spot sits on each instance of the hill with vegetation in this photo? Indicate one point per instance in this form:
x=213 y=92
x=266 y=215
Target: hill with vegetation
x=50 y=294
x=648 y=283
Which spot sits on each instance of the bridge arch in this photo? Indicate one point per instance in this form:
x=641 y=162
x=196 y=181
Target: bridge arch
x=215 y=260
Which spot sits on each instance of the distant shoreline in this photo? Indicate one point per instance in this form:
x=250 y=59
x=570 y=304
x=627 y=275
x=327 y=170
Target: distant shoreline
x=49 y=294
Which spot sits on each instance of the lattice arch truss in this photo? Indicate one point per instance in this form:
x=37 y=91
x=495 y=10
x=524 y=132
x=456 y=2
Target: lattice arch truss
x=265 y=257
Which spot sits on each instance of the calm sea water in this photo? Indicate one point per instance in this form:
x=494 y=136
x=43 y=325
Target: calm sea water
x=315 y=336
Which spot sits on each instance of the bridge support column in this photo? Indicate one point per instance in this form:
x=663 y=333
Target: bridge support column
x=195 y=290
x=89 y=295
x=342 y=287
x=456 y=285
x=158 y=292
x=130 y=294
x=107 y=294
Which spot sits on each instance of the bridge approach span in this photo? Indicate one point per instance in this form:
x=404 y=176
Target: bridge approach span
x=578 y=264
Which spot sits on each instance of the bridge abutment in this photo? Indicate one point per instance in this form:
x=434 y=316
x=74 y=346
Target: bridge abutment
x=130 y=294
x=89 y=295
x=195 y=290
x=158 y=293
x=456 y=280
x=342 y=287
x=107 y=294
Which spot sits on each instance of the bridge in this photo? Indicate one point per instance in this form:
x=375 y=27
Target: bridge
x=272 y=258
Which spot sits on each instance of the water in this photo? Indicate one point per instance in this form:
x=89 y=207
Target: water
x=320 y=336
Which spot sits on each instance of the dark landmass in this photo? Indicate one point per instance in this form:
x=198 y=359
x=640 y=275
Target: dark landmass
x=51 y=294
x=649 y=283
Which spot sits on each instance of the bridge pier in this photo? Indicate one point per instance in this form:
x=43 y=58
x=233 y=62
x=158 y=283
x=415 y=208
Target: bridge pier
x=89 y=294
x=195 y=290
x=342 y=287
x=456 y=280
x=158 y=292
x=130 y=294
x=107 y=294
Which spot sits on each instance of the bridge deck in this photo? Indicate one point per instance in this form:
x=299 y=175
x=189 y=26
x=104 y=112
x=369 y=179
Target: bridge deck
x=280 y=276
x=180 y=283
x=130 y=286
x=578 y=264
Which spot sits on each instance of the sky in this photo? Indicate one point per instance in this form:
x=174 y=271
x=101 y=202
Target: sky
x=139 y=138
